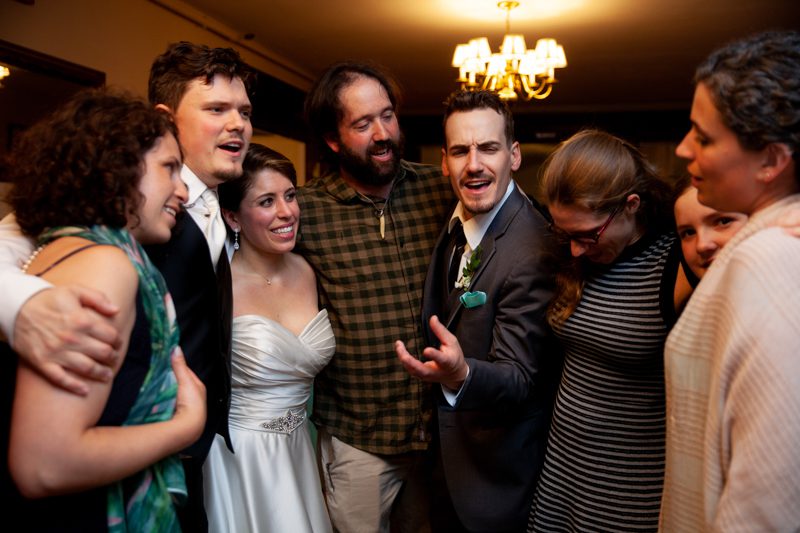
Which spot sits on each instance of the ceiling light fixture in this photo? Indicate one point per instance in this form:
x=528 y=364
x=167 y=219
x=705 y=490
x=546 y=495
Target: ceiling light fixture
x=4 y=73
x=515 y=70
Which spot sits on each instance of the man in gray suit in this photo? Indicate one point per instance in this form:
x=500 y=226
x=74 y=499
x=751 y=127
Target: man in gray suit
x=494 y=360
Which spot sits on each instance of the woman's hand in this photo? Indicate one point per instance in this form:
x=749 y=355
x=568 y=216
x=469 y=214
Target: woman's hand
x=190 y=405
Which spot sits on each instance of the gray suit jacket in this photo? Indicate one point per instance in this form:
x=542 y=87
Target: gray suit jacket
x=493 y=440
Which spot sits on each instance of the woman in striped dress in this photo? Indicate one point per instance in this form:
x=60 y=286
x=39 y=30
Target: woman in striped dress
x=614 y=306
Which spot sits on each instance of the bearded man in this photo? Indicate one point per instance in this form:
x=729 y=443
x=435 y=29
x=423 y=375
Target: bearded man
x=368 y=229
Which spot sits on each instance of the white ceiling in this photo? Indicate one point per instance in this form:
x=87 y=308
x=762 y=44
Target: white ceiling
x=622 y=54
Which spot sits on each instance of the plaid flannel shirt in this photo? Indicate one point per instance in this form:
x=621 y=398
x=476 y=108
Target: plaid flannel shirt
x=372 y=289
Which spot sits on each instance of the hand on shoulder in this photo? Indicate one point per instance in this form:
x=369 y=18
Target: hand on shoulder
x=71 y=333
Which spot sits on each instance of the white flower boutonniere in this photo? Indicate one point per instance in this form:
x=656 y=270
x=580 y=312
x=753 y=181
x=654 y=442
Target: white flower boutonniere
x=469 y=269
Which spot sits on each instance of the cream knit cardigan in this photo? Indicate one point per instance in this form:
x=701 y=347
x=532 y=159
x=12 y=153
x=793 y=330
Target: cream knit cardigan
x=733 y=389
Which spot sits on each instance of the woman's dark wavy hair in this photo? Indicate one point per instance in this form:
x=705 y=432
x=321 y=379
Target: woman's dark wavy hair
x=258 y=158
x=82 y=165
x=755 y=85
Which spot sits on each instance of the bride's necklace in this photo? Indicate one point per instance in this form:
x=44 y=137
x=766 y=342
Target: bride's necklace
x=243 y=267
x=379 y=211
x=259 y=276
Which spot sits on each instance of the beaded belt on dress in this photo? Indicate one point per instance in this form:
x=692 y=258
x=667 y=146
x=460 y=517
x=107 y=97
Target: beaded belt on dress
x=285 y=424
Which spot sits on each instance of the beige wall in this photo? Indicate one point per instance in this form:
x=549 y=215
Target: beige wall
x=295 y=151
x=121 y=37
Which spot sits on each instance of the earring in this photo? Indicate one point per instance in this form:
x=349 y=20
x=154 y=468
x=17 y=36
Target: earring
x=236 y=239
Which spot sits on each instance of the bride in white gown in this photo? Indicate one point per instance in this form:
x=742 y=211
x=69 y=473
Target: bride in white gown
x=281 y=340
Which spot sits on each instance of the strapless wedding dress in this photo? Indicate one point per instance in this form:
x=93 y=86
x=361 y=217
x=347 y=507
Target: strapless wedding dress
x=271 y=482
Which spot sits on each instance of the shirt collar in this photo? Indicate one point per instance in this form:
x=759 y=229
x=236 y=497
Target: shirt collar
x=195 y=186
x=475 y=228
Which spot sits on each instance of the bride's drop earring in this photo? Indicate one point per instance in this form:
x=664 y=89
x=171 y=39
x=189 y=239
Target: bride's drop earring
x=236 y=239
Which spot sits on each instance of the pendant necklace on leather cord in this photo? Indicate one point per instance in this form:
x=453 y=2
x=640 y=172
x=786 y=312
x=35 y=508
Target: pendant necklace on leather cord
x=379 y=212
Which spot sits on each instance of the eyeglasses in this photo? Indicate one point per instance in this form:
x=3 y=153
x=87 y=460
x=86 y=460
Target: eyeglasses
x=586 y=237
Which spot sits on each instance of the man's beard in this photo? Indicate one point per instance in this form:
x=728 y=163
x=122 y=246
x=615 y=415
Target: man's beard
x=227 y=175
x=366 y=170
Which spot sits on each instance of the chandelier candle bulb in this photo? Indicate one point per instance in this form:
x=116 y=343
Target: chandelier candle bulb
x=514 y=71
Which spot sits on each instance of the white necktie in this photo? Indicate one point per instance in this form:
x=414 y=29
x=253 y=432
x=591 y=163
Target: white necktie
x=215 y=227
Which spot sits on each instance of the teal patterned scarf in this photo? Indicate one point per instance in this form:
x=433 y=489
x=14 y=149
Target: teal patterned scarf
x=150 y=507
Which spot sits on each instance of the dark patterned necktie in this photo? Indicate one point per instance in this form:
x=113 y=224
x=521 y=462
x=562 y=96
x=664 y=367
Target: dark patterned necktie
x=457 y=243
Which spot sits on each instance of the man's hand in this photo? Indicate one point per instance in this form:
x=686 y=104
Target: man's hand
x=445 y=365
x=64 y=333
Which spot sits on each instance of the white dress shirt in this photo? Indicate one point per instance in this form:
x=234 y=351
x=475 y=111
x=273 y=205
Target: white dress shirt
x=15 y=286
x=196 y=207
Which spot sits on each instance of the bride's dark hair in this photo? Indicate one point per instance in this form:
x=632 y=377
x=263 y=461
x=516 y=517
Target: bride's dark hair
x=258 y=158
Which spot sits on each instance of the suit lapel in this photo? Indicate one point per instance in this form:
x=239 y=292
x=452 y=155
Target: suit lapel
x=432 y=301
x=226 y=303
x=454 y=306
x=488 y=247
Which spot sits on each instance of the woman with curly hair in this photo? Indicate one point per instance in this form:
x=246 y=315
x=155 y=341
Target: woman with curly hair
x=732 y=365
x=91 y=184
x=615 y=302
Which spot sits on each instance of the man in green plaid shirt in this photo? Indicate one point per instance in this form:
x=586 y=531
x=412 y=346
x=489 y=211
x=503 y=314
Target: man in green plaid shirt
x=368 y=229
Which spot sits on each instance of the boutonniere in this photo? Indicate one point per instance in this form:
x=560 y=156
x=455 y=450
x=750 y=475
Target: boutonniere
x=473 y=299
x=469 y=269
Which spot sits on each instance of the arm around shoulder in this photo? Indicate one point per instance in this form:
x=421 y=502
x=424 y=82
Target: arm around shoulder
x=66 y=453
x=36 y=463
x=61 y=332
x=75 y=454
x=17 y=287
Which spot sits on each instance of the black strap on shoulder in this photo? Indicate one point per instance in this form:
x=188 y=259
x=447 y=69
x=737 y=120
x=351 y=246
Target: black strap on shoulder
x=66 y=256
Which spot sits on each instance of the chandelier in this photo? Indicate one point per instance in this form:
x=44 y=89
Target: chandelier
x=513 y=71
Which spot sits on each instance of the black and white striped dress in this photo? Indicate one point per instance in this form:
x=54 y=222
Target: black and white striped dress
x=604 y=466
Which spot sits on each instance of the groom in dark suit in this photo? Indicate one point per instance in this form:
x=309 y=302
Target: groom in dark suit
x=205 y=91
x=484 y=303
